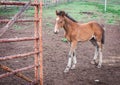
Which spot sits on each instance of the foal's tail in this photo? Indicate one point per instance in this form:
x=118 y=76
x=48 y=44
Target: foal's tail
x=103 y=34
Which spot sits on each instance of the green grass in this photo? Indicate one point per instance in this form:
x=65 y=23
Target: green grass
x=70 y=8
x=29 y=12
x=75 y=10
x=8 y=11
x=11 y=11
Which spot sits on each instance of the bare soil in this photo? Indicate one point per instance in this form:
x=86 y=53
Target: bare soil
x=55 y=58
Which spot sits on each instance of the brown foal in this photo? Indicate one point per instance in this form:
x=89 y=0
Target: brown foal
x=75 y=32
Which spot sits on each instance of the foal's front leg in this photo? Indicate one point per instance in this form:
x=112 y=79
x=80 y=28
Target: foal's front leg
x=69 y=62
x=71 y=57
x=74 y=60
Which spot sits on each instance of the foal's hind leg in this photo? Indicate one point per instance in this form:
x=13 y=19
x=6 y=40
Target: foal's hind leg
x=95 y=56
x=100 y=55
x=93 y=41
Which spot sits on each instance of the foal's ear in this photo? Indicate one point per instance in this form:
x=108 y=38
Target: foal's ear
x=56 y=12
x=62 y=13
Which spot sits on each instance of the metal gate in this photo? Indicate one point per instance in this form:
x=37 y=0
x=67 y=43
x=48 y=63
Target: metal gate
x=38 y=67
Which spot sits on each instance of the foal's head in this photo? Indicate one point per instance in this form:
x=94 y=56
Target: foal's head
x=59 y=21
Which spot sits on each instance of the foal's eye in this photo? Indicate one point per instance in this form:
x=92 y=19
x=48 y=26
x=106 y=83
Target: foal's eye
x=60 y=21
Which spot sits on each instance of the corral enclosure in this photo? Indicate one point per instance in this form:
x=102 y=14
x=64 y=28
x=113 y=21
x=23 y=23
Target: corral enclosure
x=55 y=50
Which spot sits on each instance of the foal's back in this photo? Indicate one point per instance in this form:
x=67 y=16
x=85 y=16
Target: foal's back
x=89 y=30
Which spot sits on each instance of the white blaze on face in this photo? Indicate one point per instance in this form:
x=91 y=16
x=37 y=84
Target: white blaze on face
x=56 y=26
x=57 y=18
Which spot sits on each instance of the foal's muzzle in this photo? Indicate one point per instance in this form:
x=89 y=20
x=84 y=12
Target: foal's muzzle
x=56 y=32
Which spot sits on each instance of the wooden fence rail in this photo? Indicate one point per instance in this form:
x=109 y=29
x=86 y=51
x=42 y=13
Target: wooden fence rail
x=6 y=40
x=17 y=56
x=17 y=74
x=17 y=70
x=21 y=20
x=17 y=3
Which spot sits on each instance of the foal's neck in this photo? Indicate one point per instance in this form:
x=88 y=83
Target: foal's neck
x=68 y=25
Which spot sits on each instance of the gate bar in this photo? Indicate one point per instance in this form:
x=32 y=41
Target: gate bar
x=17 y=56
x=18 y=70
x=36 y=48
x=17 y=74
x=21 y=20
x=16 y=3
x=6 y=40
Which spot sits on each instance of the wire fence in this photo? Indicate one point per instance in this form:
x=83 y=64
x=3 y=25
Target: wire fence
x=48 y=3
x=109 y=2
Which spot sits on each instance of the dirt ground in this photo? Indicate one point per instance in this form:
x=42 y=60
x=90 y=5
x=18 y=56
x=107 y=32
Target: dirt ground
x=55 y=58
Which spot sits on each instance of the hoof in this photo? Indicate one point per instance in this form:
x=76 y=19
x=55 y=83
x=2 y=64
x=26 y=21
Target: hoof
x=98 y=66
x=93 y=62
x=73 y=67
x=66 y=70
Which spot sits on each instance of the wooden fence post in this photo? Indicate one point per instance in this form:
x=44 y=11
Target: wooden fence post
x=40 y=44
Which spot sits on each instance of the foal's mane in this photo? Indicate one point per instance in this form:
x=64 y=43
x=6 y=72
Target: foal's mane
x=61 y=13
x=70 y=18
